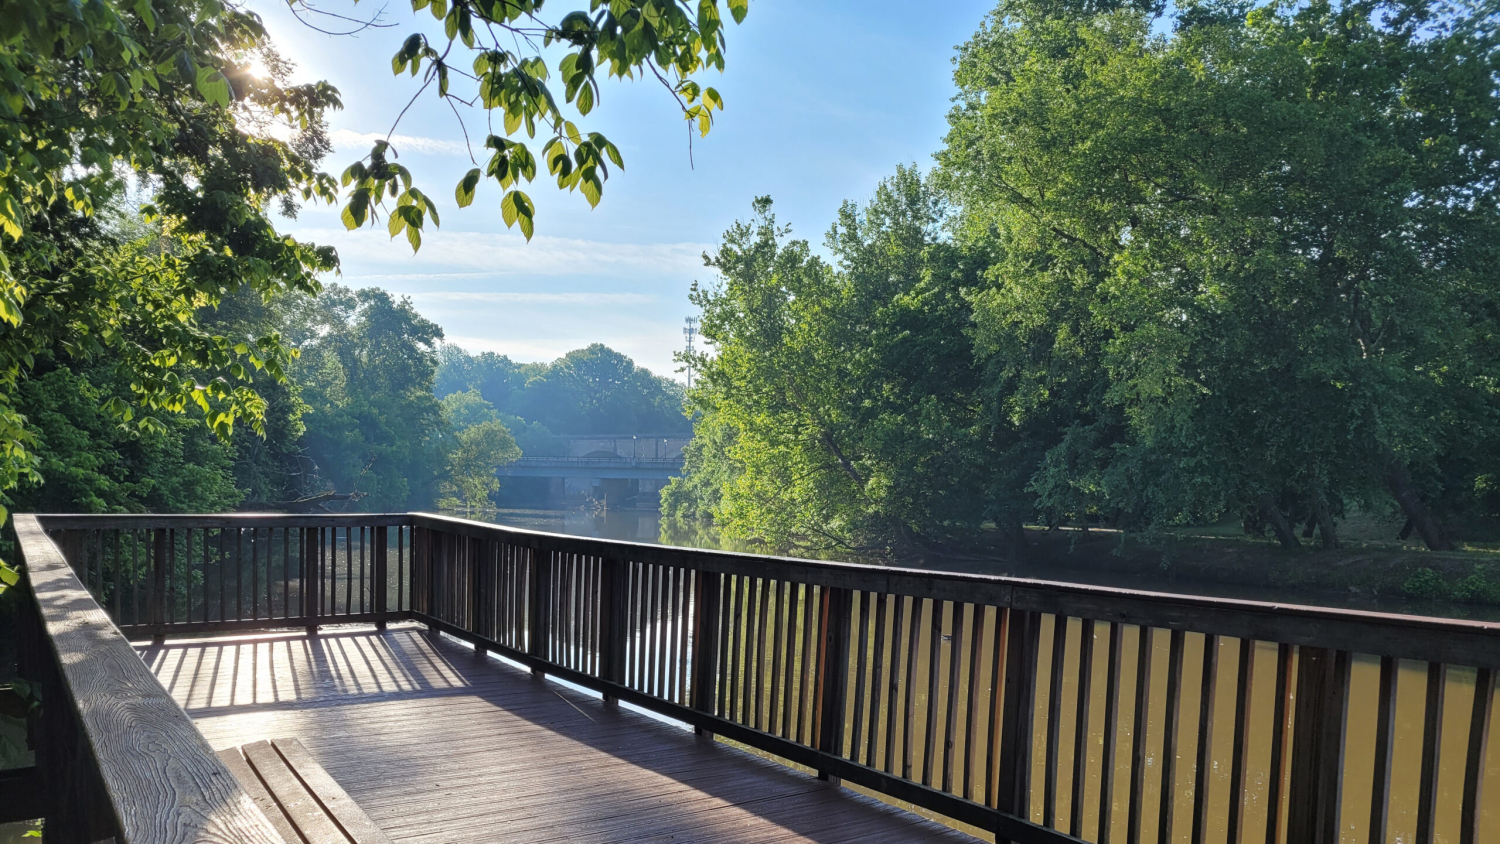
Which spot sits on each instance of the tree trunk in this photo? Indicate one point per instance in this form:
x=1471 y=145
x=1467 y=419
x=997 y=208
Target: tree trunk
x=1411 y=504
x=1324 y=519
x=1280 y=526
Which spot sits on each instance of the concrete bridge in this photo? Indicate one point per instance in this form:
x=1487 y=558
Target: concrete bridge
x=613 y=468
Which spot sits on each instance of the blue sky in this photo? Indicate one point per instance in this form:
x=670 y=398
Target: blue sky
x=822 y=100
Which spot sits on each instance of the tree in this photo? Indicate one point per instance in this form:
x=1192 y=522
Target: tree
x=164 y=91
x=839 y=407
x=1243 y=265
x=373 y=425
x=477 y=452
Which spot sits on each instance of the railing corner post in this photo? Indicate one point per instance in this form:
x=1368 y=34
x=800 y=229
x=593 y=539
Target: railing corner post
x=706 y=641
x=612 y=624
x=312 y=577
x=381 y=574
x=833 y=671
x=540 y=617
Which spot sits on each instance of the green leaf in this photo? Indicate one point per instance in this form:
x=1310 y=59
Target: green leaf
x=213 y=86
x=508 y=208
x=466 y=188
x=738 y=9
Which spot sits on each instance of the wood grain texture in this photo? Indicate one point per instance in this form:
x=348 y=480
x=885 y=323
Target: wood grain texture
x=437 y=746
x=162 y=780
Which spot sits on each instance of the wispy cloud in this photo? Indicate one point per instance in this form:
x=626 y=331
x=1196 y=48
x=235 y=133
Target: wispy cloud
x=345 y=139
x=509 y=298
x=372 y=257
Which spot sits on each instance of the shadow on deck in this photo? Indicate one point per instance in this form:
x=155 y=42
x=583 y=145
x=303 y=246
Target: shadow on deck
x=439 y=745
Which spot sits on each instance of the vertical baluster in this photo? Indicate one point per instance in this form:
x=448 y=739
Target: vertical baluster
x=402 y=534
x=762 y=638
x=1081 y=726
x=1432 y=740
x=810 y=618
x=779 y=662
x=955 y=657
x=1244 y=690
x=666 y=580
x=861 y=646
x=893 y=699
x=733 y=656
x=1479 y=737
x=349 y=579
x=119 y=579
x=286 y=572
x=239 y=576
x=1170 y=734
x=1111 y=731
x=136 y=540
x=254 y=573
x=882 y=603
x=913 y=638
x=1054 y=719
x=976 y=651
x=723 y=671
x=747 y=649
x=1138 y=731
x=1278 y=742
x=934 y=675
x=172 y=578
x=1205 y=737
x=994 y=729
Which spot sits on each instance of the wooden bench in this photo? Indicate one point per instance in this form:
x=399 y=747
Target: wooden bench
x=301 y=800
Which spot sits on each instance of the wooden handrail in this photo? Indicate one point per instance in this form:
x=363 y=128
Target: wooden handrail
x=117 y=755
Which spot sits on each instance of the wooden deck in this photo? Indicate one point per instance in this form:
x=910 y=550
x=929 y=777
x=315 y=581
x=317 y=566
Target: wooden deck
x=438 y=745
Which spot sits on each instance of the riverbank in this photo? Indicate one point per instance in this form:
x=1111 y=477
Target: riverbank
x=1461 y=583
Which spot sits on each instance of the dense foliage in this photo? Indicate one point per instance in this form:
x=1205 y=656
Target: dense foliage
x=169 y=93
x=1232 y=262
x=594 y=390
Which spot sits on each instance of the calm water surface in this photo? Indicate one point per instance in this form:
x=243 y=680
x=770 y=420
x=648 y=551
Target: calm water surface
x=647 y=526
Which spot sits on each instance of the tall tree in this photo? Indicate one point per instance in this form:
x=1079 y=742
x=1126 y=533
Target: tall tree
x=374 y=427
x=1244 y=261
x=840 y=401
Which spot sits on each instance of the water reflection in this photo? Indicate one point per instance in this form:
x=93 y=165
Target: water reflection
x=648 y=526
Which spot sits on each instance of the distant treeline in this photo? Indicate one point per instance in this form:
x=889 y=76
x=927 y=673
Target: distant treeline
x=376 y=414
x=1222 y=261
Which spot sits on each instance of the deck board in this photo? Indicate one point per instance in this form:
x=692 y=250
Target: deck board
x=438 y=745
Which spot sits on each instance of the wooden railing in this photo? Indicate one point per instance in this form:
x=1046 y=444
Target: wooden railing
x=1040 y=711
x=117 y=758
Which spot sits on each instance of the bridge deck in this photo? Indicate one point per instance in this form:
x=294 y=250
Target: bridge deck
x=440 y=746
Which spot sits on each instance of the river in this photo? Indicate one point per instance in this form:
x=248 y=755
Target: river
x=646 y=526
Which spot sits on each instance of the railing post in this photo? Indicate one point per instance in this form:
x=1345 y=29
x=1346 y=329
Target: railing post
x=312 y=577
x=381 y=573
x=833 y=672
x=475 y=551
x=612 y=622
x=1317 y=745
x=540 y=617
x=706 y=642
x=158 y=585
x=1023 y=631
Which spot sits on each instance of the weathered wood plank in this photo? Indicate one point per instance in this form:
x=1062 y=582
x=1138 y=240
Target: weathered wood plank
x=355 y=823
